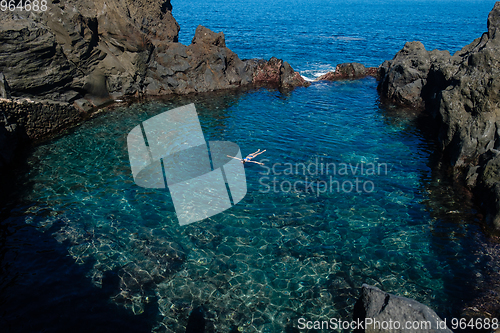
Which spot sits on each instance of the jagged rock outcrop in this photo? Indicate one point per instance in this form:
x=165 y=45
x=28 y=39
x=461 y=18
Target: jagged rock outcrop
x=403 y=78
x=462 y=93
x=349 y=71
x=207 y=65
x=390 y=313
x=275 y=72
x=77 y=48
x=99 y=49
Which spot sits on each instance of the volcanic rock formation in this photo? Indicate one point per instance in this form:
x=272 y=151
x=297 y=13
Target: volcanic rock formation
x=462 y=93
x=349 y=71
x=94 y=49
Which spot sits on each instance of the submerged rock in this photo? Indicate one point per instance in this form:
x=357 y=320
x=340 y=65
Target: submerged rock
x=462 y=93
x=384 y=309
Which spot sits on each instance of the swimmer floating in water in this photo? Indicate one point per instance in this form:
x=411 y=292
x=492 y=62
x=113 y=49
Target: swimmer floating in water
x=249 y=157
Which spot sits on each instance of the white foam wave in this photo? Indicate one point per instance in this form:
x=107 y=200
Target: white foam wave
x=320 y=74
x=312 y=74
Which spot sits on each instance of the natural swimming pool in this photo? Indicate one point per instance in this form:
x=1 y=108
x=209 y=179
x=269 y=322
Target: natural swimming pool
x=282 y=252
x=83 y=237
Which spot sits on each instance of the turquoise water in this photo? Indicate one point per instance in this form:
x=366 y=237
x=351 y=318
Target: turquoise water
x=277 y=254
x=108 y=250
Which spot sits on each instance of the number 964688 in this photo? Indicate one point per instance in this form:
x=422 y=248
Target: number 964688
x=26 y=5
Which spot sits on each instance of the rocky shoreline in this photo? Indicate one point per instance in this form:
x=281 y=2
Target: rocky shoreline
x=462 y=94
x=57 y=67
x=60 y=64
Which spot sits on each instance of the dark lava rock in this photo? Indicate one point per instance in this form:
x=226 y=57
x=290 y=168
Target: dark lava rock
x=206 y=36
x=402 y=78
x=205 y=65
x=385 y=308
x=103 y=49
x=349 y=71
x=208 y=65
x=274 y=72
x=462 y=93
x=30 y=59
x=86 y=53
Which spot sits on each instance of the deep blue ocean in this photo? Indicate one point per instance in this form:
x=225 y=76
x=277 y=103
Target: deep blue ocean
x=83 y=249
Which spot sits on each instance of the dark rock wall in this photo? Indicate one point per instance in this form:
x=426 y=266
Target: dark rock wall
x=22 y=121
x=39 y=119
x=462 y=93
x=59 y=53
x=402 y=79
x=97 y=48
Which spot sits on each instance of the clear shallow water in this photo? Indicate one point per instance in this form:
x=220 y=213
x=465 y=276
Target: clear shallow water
x=85 y=242
x=275 y=256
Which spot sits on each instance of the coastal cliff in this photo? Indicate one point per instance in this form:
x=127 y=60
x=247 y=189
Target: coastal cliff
x=462 y=94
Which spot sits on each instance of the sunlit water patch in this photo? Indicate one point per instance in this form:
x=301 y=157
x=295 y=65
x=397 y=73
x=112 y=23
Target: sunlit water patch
x=289 y=249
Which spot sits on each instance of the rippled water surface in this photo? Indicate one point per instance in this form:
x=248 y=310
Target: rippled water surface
x=86 y=248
